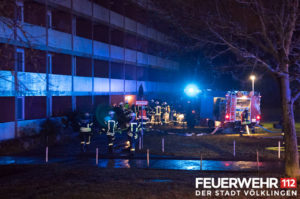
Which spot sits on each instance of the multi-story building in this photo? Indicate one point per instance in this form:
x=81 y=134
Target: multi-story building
x=62 y=55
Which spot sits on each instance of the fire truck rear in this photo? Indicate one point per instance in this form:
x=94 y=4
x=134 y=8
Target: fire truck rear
x=242 y=110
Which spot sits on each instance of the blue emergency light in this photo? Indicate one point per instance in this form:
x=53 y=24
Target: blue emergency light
x=192 y=90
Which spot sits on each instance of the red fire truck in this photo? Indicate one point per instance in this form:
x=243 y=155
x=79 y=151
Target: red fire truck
x=242 y=109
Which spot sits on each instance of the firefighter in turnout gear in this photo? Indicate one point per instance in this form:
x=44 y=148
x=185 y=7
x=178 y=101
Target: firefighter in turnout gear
x=157 y=113
x=85 y=130
x=111 y=127
x=133 y=131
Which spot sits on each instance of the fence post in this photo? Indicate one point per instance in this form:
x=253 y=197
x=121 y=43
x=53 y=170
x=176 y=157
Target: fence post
x=148 y=158
x=97 y=157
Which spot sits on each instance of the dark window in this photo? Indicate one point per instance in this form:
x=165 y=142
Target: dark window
x=35 y=107
x=142 y=44
x=83 y=66
x=61 y=64
x=20 y=108
x=35 y=61
x=157 y=75
x=84 y=103
x=101 y=99
x=7 y=107
x=117 y=6
x=101 y=33
x=117 y=37
x=61 y=105
x=117 y=70
x=20 y=60
x=7 y=9
x=142 y=74
x=116 y=99
x=83 y=28
x=130 y=72
x=34 y=13
x=130 y=41
x=101 y=68
x=61 y=21
x=103 y=3
x=7 y=57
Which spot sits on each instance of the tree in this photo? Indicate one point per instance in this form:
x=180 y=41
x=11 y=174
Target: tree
x=264 y=34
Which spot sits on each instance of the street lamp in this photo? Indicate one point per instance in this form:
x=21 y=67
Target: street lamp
x=252 y=77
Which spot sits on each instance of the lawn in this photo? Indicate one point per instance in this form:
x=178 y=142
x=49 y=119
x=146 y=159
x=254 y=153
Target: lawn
x=218 y=146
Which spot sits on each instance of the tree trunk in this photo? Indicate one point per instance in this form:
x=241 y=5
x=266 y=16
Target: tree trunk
x=290 y=137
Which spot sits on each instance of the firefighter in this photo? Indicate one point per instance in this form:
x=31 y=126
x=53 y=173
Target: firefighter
x=157 y=113
x=85 y=131
x=245 y=115
x=132 y=132
x=111 y=127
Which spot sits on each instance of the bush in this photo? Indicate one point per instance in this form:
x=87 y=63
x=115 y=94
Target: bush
x=50 y=129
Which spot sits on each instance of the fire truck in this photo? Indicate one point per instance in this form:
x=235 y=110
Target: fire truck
x=242 y=110
x=228 y=113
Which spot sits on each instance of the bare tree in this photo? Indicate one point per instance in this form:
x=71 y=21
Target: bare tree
x=264 y=34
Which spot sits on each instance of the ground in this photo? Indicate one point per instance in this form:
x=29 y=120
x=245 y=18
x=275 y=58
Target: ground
x=81 y=178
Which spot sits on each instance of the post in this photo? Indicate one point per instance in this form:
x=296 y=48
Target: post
x=278 y=149
x=253 y=85
x=148 y=161
x=46 y=154
x=257 y=160
x=233 y=148
x=163 y=145
x=140 y=143
x=97 y=157
x=201 y=162
x=142 y=140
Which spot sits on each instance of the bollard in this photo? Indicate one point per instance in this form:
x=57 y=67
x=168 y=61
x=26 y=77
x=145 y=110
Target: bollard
x=201 y=162
x=97 y=157
x=278 y=149
x=233 y=148
x=140 y=143
x=257 y=160
x=46 y=154
x=163 y=145
x=148 y=161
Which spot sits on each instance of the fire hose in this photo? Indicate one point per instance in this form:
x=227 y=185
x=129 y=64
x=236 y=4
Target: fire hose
x=263 y=128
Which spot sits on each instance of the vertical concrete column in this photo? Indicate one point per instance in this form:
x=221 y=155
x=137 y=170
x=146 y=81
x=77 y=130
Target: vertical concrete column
x=109 y=58
x=73 y=57
x=48 y=95
x=93 y=64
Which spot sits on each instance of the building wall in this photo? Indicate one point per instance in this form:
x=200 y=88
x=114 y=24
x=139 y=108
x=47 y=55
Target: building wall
x=85 y=53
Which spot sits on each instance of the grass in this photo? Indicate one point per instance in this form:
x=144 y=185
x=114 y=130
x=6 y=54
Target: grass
x=214 y=146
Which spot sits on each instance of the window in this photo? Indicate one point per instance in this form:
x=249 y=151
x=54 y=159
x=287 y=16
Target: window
x=49 y=19
x=20 y=108
x=20 y=60
x=20 y=11
x=49 y=62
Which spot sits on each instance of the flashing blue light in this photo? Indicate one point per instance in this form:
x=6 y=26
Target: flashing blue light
x=192 y=90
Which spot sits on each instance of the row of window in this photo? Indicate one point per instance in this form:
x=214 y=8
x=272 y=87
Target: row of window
x=36 y=107
x=30 y=60
x=33 y=13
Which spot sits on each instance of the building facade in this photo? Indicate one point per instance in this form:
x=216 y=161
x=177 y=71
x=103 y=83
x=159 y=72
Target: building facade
x=59 y=56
